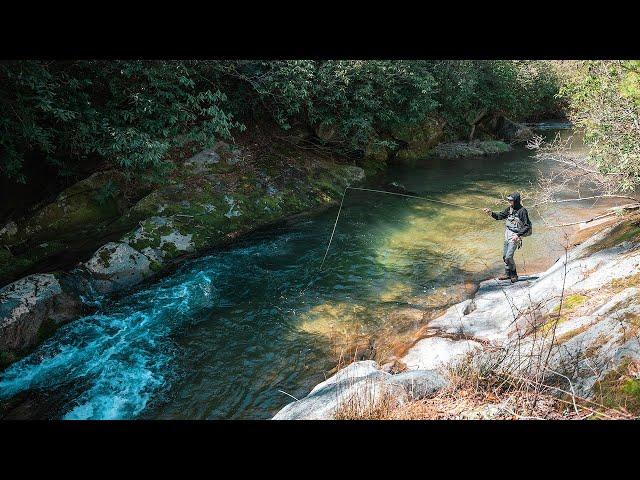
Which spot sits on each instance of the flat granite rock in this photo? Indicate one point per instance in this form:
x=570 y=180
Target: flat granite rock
x=361 y=383
x=434 y=352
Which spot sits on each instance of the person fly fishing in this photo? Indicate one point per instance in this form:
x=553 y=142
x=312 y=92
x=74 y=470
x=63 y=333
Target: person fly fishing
x=517 y=226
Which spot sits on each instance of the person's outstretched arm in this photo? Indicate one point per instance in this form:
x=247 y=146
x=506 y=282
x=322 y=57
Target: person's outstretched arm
x=497 y=215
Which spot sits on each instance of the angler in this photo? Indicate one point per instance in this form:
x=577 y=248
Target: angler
x=517 y=225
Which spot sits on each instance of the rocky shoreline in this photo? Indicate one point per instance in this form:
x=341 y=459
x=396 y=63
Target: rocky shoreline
x=594 y=331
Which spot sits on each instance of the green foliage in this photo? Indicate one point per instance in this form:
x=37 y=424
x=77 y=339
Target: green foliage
x=353 y=99
x=106 y=192
x=135 y=114
x=521 y=90
x=362 y=100
x=605 y=101
x=130 y=113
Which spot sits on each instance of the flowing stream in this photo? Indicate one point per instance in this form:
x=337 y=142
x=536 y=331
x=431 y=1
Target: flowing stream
x=232 y=334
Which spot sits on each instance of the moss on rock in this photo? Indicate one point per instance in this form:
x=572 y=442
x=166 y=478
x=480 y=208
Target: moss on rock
x=627 y=230
x=619 y=389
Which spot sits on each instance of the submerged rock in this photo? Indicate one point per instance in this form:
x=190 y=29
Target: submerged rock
x=31 y=306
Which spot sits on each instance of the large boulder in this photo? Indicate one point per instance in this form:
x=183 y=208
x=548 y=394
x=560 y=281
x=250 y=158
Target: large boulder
x=32 y=307
x=359 y=382
x=82 y=214
x=79 y=209
x=159 y=239
x=361 y=385
x=416 y=141
x=420 y=383
x=116 y=265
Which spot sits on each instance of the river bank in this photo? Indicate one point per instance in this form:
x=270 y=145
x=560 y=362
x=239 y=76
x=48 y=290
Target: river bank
x=580 y=316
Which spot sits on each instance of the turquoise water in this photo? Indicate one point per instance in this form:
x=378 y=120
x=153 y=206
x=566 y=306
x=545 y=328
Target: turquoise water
x=225 y=335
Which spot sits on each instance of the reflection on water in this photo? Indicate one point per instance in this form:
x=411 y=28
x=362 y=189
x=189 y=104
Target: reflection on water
x=223 y=335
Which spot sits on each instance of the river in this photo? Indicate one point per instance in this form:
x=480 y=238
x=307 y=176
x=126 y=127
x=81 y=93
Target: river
x=236 y=333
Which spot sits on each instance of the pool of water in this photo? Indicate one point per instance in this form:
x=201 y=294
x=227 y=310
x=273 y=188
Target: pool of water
x=232 y=334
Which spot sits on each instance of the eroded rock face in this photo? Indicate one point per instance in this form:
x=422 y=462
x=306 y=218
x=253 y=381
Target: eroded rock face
x=595 y=335
x=117 y=265
x=30 y=305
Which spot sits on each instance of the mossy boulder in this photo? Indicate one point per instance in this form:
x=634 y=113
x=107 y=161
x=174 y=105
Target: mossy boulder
x=87 y=211
x=498 y=126
x=84 y=206
x=218 y=195
x=159 y=238
x=115 y=266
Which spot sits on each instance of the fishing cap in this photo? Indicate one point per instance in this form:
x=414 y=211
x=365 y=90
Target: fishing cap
x=514 y=196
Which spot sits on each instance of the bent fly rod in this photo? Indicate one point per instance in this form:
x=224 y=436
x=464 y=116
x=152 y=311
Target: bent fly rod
x=387 y=193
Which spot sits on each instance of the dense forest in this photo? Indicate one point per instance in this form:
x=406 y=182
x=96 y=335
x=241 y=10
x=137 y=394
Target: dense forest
x=66 y=118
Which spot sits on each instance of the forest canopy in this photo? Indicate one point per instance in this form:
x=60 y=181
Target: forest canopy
x=133 y=113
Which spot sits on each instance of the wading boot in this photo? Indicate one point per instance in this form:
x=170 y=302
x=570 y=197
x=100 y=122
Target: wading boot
x=505 y=276
x=514 y=277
